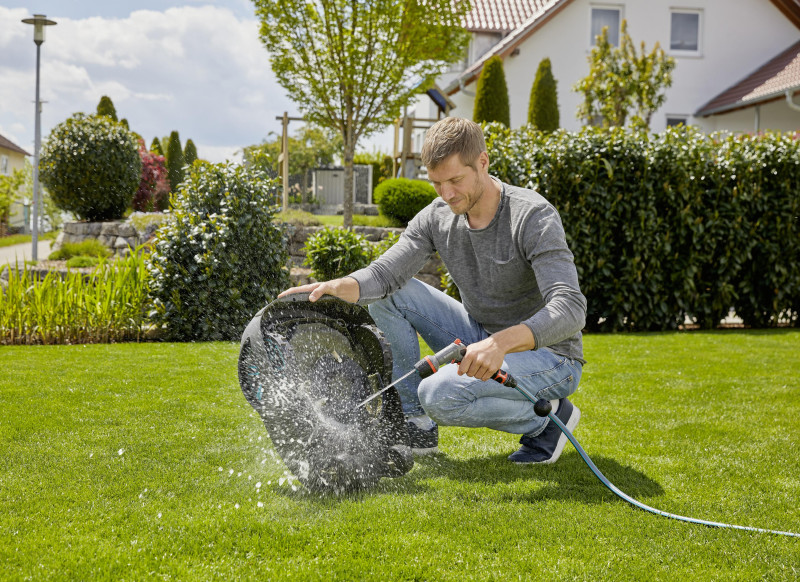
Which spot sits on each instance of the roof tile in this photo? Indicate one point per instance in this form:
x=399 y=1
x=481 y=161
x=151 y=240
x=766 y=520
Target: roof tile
x=769 y=81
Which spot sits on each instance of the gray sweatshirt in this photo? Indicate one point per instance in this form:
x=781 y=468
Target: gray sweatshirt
x=516 y=270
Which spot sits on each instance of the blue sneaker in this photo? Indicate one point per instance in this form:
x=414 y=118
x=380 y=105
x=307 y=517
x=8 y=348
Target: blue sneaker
x=546 y=447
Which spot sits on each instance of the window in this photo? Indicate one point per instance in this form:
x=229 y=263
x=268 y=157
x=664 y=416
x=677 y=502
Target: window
x=685 y=32
x=674 y=120
x=606 y=16
x=3 y=165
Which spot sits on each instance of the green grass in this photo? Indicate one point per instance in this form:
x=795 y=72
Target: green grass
x=18 y=239
x=136 y=461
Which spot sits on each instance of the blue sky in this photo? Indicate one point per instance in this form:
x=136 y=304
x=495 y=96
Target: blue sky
x=195 y=66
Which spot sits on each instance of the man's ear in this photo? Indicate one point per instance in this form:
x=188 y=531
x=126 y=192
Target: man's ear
x=483 y=161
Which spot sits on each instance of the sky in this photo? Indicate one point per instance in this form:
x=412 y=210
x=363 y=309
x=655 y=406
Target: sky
x=192 y=66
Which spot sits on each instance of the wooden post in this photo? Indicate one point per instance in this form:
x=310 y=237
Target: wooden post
x=285 y=159
x=395 y=153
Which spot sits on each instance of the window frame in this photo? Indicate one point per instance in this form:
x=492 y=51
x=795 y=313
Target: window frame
x=619 y=8
x=682 y=52
x=679 y=117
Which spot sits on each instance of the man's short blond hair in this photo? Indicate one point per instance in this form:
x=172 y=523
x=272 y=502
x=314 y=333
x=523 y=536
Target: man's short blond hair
x=453 y=135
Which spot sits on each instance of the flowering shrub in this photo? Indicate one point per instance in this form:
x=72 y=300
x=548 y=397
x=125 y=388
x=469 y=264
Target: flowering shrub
x=91 y=167
x=217 y=258
x=153 y=192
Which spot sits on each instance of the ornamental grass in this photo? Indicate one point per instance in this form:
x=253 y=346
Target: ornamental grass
x=108 y=304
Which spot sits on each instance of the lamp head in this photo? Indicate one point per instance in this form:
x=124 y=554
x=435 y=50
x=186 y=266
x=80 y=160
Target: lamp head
x=39 y=21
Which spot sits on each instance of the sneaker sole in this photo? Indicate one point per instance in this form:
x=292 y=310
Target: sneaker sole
x=562 y=440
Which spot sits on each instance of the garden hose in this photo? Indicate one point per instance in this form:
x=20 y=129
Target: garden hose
x=544 y=408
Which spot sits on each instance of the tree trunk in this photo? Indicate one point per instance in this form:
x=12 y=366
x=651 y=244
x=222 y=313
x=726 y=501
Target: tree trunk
x=349 y=154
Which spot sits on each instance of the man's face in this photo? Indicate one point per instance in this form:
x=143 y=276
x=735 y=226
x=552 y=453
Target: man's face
x=457 y=184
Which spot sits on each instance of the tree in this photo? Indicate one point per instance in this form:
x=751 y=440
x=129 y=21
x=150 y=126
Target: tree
x=106 y=107
x=621 y=81
x=543 y=104
x=174 y=161
x=10 y=186
x=153 y=192
x=352 y=66
x=491 y=96
x=189 y=153
x=155 y=147
x=311 y=147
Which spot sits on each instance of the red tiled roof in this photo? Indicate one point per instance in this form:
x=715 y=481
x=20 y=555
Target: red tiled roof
x=500 y=15
x=10 y=145
x=538 y=13
x=770 y=81
x=542 y=11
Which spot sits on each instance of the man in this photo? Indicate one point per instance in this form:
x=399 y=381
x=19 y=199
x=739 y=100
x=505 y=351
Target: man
x=522 y=308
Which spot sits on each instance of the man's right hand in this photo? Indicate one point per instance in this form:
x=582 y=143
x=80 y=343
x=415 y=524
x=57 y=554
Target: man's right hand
x=345 y=288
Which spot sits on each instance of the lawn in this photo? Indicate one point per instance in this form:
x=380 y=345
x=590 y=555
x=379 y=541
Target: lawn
x=133 y=461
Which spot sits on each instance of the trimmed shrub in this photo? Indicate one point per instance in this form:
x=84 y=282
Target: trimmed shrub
x=671 y=225
x=543 y=104
x=219 y=257
x=91 y=167
x=401 y=199
x=491 y=96
x=335 y=252
x=88 y=248
x=82 y=261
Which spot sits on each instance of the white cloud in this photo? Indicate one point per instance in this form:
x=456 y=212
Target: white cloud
x=199 y=70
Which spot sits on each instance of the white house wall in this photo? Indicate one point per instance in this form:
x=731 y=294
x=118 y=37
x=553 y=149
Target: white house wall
x=776 y=116
x=738 y=36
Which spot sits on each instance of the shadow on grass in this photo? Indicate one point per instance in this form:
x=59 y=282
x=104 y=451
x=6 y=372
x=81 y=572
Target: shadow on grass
x=569 y=479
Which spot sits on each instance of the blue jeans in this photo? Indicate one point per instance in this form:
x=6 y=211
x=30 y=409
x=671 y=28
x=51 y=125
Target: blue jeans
x=453 y=400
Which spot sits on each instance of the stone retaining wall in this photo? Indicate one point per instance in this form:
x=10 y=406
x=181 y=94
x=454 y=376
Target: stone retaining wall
x=118 y=236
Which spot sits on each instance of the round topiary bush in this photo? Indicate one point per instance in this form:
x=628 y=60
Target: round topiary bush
x=91 y=167
x=402 y=199
x=335 y=252
x=218 y=258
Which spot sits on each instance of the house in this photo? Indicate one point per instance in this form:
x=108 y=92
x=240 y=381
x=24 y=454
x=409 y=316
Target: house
x=737 y=61
x=12 y=157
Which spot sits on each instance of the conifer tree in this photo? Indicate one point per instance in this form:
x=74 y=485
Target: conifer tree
x=491 y=99
x=189 y=153
x=174 y=161
x=155 y=147
x=106 y=107
x=543 y=104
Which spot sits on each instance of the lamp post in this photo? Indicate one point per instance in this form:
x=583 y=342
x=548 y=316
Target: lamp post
x=39 y=22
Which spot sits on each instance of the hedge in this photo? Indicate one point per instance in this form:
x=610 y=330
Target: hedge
x=669 y=225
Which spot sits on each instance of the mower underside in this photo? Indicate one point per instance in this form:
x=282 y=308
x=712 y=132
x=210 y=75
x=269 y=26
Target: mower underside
x=304 y=367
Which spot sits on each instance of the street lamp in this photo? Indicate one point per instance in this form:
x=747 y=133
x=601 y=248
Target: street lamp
x=39 y=22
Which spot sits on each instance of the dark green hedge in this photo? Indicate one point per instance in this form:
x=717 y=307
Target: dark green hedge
x=669 y=225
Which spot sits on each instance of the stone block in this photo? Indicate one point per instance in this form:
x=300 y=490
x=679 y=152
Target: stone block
x=93 y=228
x=109 y=228
x=126 y=229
